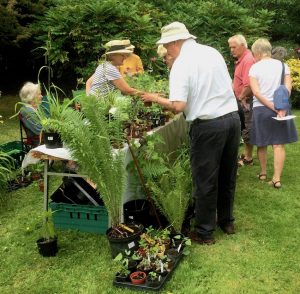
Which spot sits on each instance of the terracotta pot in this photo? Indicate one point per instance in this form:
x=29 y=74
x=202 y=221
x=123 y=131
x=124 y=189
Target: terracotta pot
x=138 y=278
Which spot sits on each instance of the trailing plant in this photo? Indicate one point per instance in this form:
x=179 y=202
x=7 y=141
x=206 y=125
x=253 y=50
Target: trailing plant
x=89 y=142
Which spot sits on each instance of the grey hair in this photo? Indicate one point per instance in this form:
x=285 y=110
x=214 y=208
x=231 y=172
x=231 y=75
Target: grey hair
x=239 y=39
x=279 y=53
x=29 y=91
x=262 y=47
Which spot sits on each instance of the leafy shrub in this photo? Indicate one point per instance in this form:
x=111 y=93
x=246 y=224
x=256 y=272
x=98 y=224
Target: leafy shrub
x=294 y=65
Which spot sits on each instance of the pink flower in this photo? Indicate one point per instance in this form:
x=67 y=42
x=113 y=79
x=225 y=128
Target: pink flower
x=153 y=59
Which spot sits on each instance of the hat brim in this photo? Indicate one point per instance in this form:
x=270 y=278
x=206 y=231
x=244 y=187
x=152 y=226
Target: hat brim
x=122 y=51
x=169 y=39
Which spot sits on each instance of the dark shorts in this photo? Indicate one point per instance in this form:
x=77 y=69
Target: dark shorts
x=247 y=120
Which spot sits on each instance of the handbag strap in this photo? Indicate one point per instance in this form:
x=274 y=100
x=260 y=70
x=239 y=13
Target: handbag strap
x=282 y=74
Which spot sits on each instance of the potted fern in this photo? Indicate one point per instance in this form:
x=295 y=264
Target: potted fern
x=87 y=135
x=47 y=245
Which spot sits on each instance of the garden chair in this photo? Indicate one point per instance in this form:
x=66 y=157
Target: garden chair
x=28 y=140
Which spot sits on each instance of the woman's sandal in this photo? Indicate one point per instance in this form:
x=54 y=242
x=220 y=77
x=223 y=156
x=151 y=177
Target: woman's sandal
x=276 y=185
x=262 y=177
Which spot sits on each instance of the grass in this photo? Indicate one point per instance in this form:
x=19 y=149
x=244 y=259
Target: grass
x=263 y=257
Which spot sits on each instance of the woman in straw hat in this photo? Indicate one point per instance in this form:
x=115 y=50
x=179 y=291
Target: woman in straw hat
x=107 y=77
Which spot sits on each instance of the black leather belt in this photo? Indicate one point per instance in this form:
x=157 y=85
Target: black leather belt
x=198 y=120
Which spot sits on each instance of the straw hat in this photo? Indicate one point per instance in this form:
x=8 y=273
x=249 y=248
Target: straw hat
x=173 y=32
x=117 y=46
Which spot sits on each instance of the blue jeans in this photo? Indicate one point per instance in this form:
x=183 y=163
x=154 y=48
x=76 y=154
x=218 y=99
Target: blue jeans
x=213 y=156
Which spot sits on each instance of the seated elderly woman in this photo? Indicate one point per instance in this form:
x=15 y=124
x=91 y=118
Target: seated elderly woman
x=31 y=96
x=107 y=77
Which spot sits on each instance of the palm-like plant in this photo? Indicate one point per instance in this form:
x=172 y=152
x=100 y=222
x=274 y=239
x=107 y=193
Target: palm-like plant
x=89 y=142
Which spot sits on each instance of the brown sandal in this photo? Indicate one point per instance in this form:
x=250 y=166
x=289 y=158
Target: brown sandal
x=276 y=185
x=262 y=177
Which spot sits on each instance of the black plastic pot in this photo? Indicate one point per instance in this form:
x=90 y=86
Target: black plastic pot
x=154 y=283
x=137 y=211
x=120 y=278
x=52 y=140
x=47 y=247
x=119 y=245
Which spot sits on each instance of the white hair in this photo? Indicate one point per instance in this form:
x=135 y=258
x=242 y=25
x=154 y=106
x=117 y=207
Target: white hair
x=239 y=39
x=161 y=51
x=29 y=92
x=262 y=47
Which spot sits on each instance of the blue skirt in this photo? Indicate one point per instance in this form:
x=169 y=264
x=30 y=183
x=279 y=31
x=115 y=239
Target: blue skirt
x=268 y=131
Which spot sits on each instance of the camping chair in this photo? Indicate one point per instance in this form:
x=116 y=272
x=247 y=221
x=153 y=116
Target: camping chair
x=28 y=140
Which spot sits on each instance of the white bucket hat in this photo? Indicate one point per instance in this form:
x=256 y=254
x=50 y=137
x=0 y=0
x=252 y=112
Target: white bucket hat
x=117 y=46
x=173 y=32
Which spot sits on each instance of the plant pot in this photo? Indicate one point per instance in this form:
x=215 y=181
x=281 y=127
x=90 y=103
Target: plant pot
x=172 y=253
x=52 y=140
x=121 y=278
x=162 y=273
x=47 y=247
x=138 y=211
x=120 y=244
x=154 y=283
x=138 y=278
x=132 y=265
x=175 y=242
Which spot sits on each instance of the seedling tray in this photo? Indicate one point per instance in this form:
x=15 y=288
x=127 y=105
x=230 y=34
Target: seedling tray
x=144 y=287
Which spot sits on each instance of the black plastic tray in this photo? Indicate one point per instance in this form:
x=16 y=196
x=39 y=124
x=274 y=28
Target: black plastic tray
x=145 y=286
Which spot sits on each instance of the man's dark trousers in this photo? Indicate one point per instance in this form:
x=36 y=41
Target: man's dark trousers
x=213 y=153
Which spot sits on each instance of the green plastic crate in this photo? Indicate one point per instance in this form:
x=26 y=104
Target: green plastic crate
x=85 y=218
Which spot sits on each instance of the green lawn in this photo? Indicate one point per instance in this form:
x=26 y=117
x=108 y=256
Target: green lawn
x=263 y=257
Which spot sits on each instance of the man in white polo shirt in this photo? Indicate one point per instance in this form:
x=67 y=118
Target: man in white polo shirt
x=200 y=86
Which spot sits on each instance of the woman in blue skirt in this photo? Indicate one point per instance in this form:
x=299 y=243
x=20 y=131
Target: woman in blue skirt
x=265 y=77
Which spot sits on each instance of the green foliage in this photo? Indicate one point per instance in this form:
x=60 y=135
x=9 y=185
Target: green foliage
x=79 y=29
x=263 y=231
x=89 y=142
x=48 y=225
x=172 y=192
x=6 y=166
x=15 y=18
x=170 y=181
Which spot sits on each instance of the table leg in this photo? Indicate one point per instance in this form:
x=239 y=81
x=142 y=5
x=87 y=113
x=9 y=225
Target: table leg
x=46 y=182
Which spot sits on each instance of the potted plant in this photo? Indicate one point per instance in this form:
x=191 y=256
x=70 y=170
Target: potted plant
x=153 y=279
x=145 y=265
x=138 y=278
x=181 y=243
x=87 y=136
x=172 y=190
x=47 y=245
x=123 y=271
